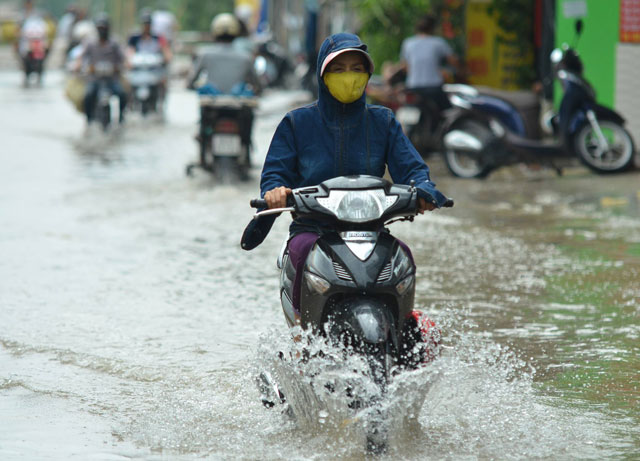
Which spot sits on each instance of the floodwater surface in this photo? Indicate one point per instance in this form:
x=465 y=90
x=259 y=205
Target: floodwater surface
x=132 y=325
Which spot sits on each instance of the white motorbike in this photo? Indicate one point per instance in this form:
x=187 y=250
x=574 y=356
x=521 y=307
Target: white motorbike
x=145 y=76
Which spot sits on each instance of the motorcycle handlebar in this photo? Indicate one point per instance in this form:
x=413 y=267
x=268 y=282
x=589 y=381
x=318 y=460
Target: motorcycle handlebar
x=258 y=203
x=262 y=203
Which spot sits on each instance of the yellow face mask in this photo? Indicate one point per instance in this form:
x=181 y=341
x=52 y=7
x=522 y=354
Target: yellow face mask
x=346 y=87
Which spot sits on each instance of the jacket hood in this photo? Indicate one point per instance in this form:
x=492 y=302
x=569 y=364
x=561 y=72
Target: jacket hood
x=331 y=45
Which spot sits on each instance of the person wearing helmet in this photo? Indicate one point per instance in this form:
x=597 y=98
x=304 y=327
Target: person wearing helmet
x=164 y=22
x=227 y=67
x=103 y=59
x=84 y=33
x=229 y=70
x=148 y=42
x=338 y=134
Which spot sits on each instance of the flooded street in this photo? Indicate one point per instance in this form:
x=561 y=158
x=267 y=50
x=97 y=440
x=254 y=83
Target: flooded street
x=132 y=324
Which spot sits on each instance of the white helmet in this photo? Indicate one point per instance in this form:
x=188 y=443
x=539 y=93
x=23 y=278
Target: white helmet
x=225 y=24
x=84 y=31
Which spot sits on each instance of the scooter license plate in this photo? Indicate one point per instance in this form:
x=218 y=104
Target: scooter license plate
x=227 y=145
x=408 y=115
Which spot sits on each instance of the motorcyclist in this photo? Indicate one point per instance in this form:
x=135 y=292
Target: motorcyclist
x=164 y=23
x=339 y=134
x=229 y=70
x=32 y=27
x=104 y=59
x=84 y=33
x=148 y=42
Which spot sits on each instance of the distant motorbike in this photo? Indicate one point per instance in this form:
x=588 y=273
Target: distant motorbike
x=488 y=131
x=104 y=73
x=224 y=138
x=272 y=64
x=358 y=285
x=33 y=48
x=145 y=77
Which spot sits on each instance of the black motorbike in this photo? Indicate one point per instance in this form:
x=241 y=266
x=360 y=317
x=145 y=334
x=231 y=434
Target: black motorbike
x=103 y=106
x=358 y=282
x=423 y=121
x=33 y=61
x=489 y=130
x=224 y=138
x=272 y=64
x=104 y=74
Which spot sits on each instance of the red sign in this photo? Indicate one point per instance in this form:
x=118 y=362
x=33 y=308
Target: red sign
x=630 y=21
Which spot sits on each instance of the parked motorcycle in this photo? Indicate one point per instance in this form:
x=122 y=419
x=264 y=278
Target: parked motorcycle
x=488 y=131
x=145 y=77
x=421 y=119
x=224 y=138
x=423 y=122
x=358 y=284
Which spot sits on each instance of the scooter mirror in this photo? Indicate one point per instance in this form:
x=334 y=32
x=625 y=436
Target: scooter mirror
x=556 y=56
x=579 y=27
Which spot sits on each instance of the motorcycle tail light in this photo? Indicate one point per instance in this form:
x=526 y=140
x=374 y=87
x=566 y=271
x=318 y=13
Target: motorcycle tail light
x=411 y=98
x=227 y=126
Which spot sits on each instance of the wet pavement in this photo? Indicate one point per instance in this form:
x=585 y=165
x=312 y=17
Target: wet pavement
x=132 y=324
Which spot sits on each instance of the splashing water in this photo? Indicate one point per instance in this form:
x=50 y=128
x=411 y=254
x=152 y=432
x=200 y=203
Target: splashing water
x=477 y=400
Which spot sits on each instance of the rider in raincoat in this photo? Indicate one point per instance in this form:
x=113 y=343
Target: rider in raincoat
x=339 y=134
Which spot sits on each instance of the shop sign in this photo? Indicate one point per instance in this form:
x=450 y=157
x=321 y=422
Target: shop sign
x=630 y=21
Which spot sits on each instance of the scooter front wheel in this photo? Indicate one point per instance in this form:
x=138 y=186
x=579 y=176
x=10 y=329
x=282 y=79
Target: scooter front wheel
x=463 y=144
x=105 y=116
x=617 y=157
x=380 y=362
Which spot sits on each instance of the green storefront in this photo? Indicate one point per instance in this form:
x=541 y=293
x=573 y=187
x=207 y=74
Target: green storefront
x=610 y=50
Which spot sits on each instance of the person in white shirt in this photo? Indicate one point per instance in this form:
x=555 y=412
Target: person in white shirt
x=423 y=56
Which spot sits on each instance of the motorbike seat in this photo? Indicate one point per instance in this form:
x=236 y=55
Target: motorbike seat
x=527 y=103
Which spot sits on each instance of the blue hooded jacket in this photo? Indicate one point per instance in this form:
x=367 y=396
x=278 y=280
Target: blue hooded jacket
x=327 y=138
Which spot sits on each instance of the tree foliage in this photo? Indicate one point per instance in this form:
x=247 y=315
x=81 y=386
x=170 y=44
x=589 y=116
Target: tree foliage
x=191 y=14
x=197 y=14
x=386 y=23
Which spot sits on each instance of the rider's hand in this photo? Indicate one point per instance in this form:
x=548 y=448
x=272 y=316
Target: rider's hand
x=277 y=198
x=423 y=206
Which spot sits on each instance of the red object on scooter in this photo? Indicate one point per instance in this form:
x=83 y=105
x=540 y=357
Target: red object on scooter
x=36 y=48
x=430 y=335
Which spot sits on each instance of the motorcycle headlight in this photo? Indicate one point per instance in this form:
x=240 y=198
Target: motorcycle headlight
x=401 y=264
x=357 y=205
x=556 y=56
x=405 y=284
x=317 y=284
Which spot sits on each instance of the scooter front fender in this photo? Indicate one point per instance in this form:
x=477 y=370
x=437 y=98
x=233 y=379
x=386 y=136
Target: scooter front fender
x=367 y=320
x=605 y=113
x=579 y=118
